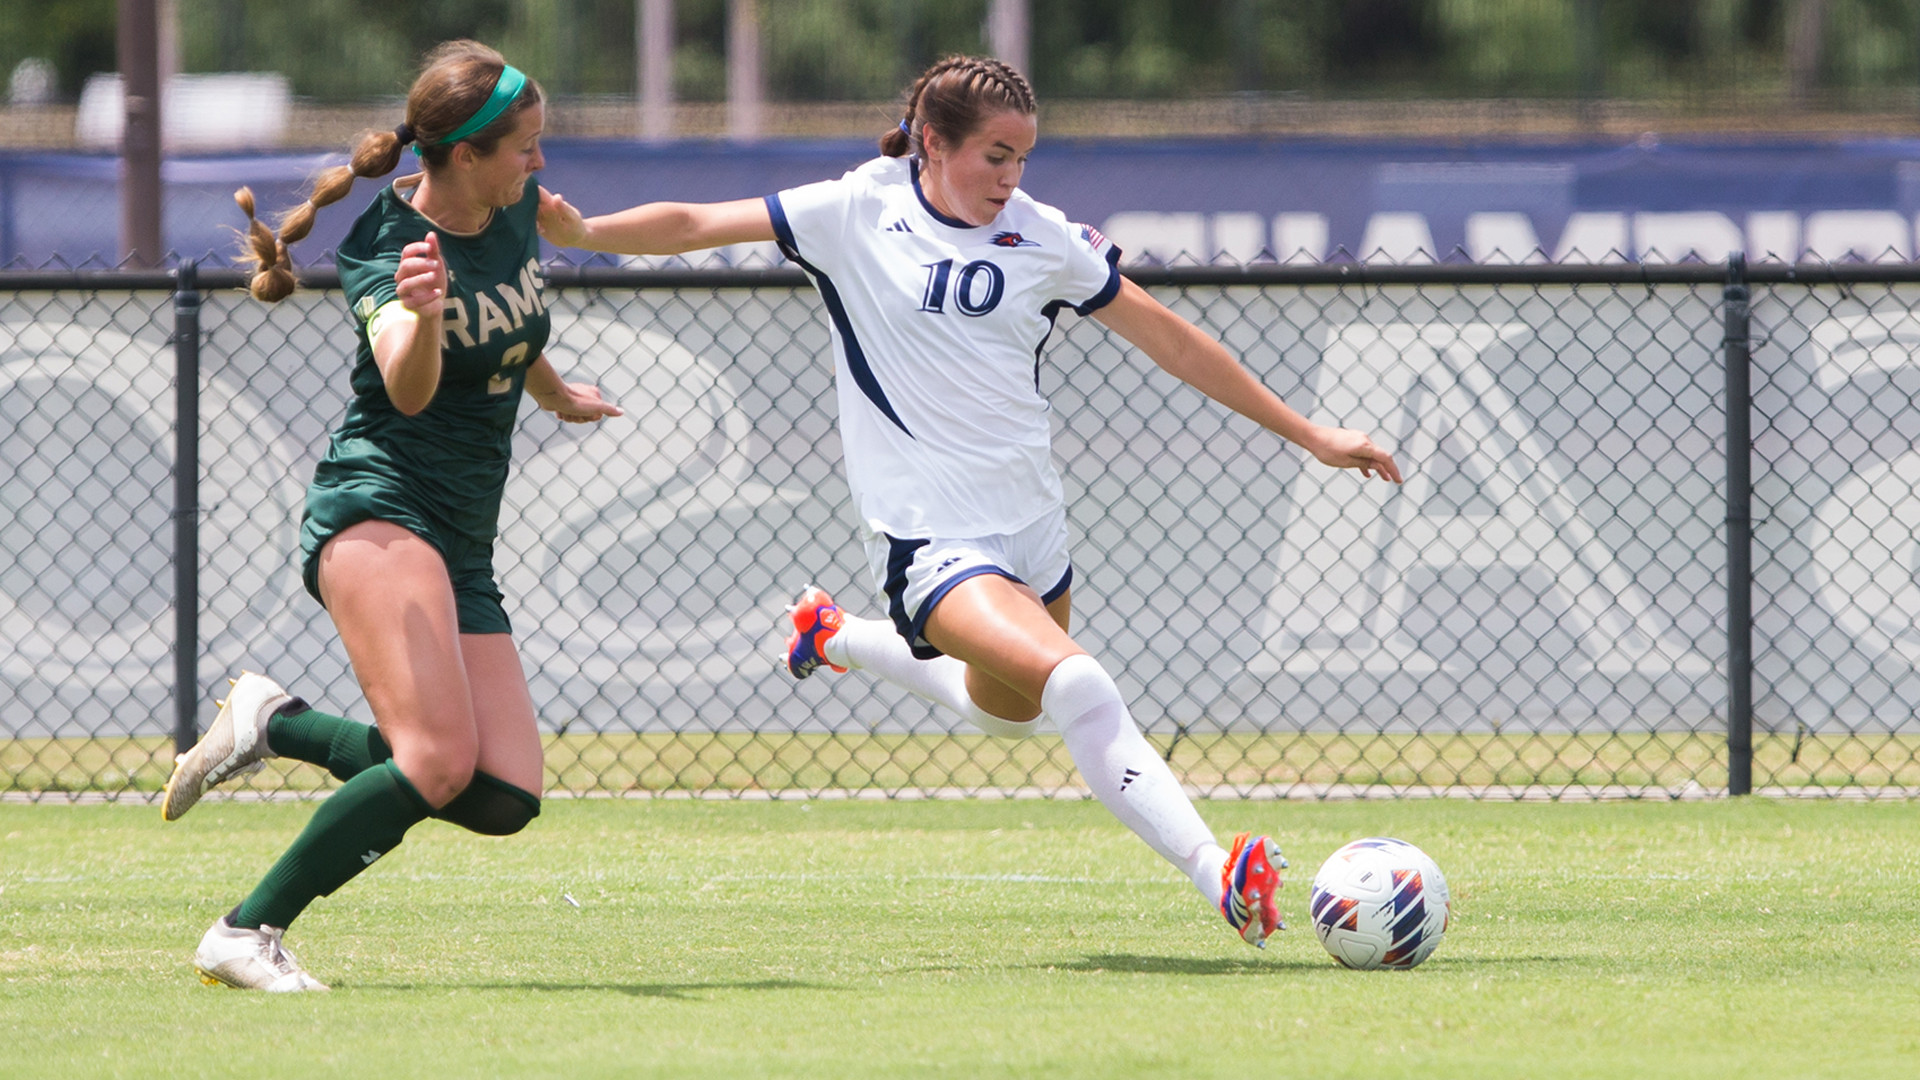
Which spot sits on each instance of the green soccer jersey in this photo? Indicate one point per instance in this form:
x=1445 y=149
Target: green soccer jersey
x=449 y=461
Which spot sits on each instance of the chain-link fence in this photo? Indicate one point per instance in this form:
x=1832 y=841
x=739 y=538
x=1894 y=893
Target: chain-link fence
x=1543 y=607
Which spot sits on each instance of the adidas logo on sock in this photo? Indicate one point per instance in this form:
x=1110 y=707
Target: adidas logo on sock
x=369 y=857
x=1128 y=777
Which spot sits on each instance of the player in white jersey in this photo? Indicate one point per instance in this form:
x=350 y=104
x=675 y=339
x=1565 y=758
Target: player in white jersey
x=937 y=327
x=942 y=281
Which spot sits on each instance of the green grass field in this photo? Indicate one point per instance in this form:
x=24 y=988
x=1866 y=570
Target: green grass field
x=845 y=939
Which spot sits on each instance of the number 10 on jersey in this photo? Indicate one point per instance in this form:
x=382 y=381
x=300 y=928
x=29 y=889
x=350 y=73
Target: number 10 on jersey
x=967 y=290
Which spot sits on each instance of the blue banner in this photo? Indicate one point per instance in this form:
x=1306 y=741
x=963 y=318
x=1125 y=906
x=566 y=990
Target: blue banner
x=1194 y=200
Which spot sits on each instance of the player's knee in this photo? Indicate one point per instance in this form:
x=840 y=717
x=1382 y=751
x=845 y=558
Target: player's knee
x=491 y=807
x=440 y=779
x=1006 y=729
x=1077 y=687
x=445 y=773
x=1079 y=675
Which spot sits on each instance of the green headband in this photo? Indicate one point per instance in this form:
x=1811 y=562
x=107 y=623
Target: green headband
x=505 y=90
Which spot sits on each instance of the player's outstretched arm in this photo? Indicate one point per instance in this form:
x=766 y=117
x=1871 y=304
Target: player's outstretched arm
x=661 y=228
x=1189 y=355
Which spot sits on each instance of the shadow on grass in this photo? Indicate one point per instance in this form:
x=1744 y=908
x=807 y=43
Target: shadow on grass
x=671 y=991
x=1315 y=964
x=1179 y=965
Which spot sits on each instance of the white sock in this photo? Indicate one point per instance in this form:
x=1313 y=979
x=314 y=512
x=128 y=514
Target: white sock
x=872 y=645
x=1126 y=775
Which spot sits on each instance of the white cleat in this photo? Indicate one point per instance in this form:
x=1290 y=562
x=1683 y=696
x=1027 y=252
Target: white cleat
x=250 y=960
x=235 y=744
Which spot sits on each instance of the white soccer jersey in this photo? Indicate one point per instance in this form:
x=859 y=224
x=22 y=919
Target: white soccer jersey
x=937 y=331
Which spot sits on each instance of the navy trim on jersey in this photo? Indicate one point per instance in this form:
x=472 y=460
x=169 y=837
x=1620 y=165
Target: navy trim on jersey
x=1052 y=314
x=857 y=365
x=1101 y=299
x=1112 y=288
x=951 y=222
x=782 y=231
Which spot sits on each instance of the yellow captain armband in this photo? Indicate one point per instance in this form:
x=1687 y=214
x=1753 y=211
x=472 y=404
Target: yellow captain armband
x=391 y=313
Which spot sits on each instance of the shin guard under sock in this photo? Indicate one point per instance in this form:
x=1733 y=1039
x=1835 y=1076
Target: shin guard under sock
x=1125 y=773
x=346 y=748
x=361 y=821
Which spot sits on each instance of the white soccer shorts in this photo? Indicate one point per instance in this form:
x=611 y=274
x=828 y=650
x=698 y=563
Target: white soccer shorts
x=913 y=574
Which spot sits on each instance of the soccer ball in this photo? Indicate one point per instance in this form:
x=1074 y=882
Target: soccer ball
x=1380 y=903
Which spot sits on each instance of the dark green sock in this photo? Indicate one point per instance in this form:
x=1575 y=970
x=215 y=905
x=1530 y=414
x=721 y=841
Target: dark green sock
x=346 y=748
x=358 y=823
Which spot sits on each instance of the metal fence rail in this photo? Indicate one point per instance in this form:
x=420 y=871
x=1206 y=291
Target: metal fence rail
x=1577 y=592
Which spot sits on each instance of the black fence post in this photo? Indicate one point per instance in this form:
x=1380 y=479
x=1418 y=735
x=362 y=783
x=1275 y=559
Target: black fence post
x=1739 y=356
x=186 y=506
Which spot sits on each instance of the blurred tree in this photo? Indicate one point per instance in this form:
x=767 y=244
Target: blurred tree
x=870 y=49
x=334 y=49
x=75 y=36
x=1510 y=46
x=700 y=50
x=862 y=49
x=1872 y=43
x=1140 y=48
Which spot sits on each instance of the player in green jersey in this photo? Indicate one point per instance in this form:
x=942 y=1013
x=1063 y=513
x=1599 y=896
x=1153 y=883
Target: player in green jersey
x=443 y=284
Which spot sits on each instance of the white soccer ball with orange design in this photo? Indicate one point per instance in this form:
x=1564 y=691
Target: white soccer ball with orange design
x=1380 y=903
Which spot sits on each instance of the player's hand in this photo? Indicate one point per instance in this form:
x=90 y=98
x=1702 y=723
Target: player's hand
x=558 y=221
x=1344 y=448
x=578 y=403
x=421 y=281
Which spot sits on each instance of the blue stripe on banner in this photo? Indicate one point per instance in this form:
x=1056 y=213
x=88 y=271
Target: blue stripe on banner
x=863 y=376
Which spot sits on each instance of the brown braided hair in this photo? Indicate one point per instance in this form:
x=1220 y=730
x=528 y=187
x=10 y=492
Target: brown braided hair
x=455 y=80
x=955 y=96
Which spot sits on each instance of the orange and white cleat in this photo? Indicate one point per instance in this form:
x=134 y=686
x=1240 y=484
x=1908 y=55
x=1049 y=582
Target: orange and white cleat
x=815 y=619
x=1249 y=881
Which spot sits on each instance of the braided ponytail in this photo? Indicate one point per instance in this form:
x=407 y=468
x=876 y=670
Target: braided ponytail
x=456 y=80
x=955 y=96
x=376 y=154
